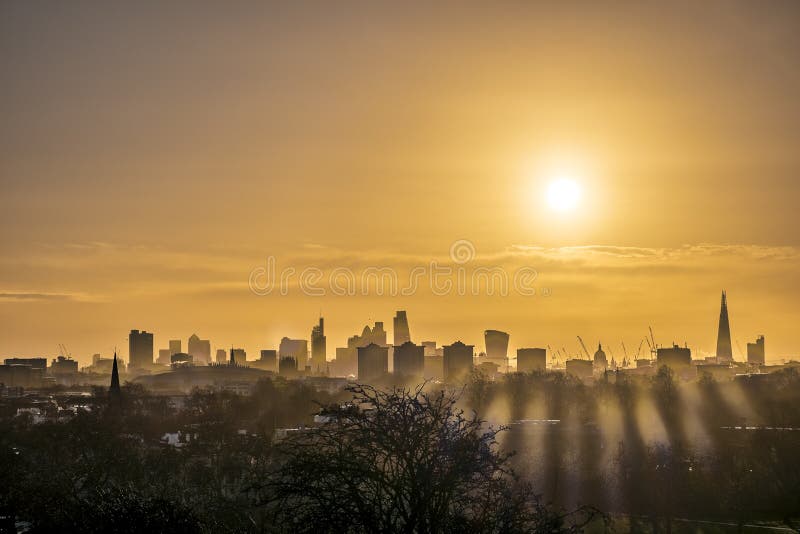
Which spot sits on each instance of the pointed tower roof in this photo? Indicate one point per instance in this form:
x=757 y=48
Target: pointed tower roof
x=114 y=390
x=724 y=348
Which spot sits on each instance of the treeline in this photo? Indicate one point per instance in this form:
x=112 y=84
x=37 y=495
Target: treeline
x=644 y=450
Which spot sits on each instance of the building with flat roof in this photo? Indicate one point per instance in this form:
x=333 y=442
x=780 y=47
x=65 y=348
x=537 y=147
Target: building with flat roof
x=531 y=359
x=458 y=361
x=140 y=349
x=373 y=362
x=755 y=352
x=409 y=360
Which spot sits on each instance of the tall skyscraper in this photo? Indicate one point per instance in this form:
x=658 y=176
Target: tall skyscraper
x=318 y=347
x=401 y=332
x=724 y=352
x=496 y=347
x=140 y=349
x=200 y=349
x=174 y=346
x=755 y=352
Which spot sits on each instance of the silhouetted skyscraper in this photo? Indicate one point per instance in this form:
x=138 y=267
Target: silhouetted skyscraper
x=294 y=348
x=724 y=352
x=220 y=355
x=496 y=345
x=200 y=349
x=675 y=357
x=401 y=331
x=755 y=352
x=318 y=347
x=409 y=360
x=140 y=349
x=373 y=362
x=458 y=361
x=269 y=360
x=529 y=360
x=174 y=346
x=114 y=391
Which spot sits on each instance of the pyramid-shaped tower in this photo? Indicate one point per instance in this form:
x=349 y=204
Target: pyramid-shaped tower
x=724 y=352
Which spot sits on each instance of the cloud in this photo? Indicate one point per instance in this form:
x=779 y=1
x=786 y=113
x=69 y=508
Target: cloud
x=37 y=296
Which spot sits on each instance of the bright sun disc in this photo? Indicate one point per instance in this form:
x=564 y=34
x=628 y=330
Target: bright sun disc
x=563 y=194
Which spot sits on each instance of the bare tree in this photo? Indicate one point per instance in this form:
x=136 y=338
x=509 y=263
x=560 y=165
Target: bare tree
x=400 y=461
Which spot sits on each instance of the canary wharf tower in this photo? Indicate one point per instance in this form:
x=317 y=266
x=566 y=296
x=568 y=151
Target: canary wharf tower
x=724 y=352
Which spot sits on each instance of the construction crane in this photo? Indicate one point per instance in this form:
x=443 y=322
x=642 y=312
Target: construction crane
x=653 y=339
x=639 y=350
x=739 y=346
x=652 y=350
x=62 y=349
x=583 y=345
x=625 y=352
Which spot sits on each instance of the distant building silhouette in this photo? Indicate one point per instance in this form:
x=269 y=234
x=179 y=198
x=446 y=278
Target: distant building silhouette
x=580 y=368
x=755 y=352
x=200 y=349
x=401 y=331
x=287 y=366
x=62 y=367
x=221 y=356
x=319 y=348
x=430 y=348
x=409 y=360
x=724 y=350
x=269 y=360
x=237 y=357
x=114 y=391
x=373 y=362
x=496 y=346
x=140 y=349
x=347 y=357
x=294 y=348
x=174 y=346
x=39 y=364
x=675 y=357
x=458 y=361
x=163 y=356
x=529 y=360
x=600 y=361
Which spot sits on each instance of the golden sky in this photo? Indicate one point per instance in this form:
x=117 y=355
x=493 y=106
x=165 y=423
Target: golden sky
x=152 y=156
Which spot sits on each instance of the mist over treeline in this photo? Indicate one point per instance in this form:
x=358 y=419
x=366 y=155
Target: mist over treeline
x=555 y=454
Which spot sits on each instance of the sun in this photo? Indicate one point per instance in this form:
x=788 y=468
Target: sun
x=563 y=194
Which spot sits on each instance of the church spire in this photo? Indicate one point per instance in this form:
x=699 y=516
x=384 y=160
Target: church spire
x=114 y=391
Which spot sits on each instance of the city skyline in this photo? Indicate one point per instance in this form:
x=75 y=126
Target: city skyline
x=730 y=351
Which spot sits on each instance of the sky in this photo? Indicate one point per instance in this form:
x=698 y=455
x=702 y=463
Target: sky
x=154 y=155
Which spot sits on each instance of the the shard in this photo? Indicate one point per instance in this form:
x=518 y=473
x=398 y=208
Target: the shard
x=724 y=352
